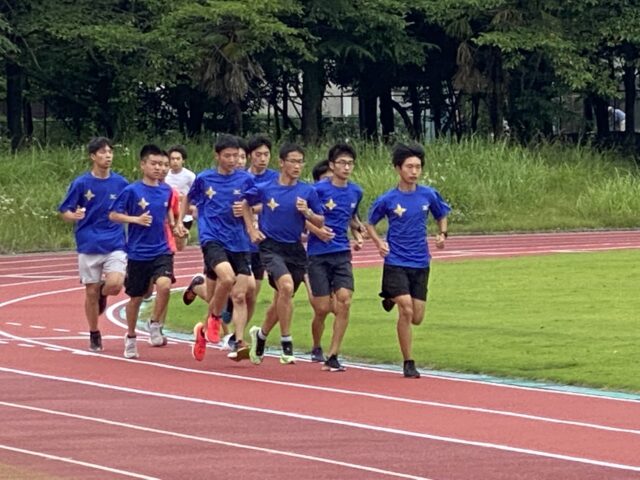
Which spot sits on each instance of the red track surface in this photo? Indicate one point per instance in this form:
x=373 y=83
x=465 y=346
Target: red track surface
x=67 y=413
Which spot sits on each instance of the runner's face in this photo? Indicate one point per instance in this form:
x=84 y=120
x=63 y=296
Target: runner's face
x=153 y=167
x=342 y=166
x=176 y=161
x=166 y=166
x=292 y=164
x=260 y=157
x=103 y=158
x=227 y=159
x=410 y=170
x=242 y=158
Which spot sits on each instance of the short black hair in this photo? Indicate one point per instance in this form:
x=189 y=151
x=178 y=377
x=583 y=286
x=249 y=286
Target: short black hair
x=319 y=169
x=150 y=149
x=98 y=143
x=242 y=143
x=287 y=148
x=401 y=152
x=257 y=141
x=180 y=149
x=341 y=149
x=226 y=141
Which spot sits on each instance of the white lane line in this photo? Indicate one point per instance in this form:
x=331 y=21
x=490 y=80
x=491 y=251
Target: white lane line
x=26 y=345
x=37 y=327
x=94 y=466
x=356 y=393
x=244 y=446
x=15 y=324
x=18 y=284
x=53 y=349
x=61 y=330
x=330 y=421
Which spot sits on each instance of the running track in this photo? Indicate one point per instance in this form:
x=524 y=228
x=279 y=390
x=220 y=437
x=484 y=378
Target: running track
x=68 y=413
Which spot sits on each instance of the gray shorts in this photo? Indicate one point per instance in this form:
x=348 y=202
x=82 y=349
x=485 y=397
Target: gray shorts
x=93 y=265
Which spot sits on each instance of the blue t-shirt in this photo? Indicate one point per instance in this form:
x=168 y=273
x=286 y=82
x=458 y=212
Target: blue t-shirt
x=145 y=243
x=95 y=233
x=265 y=177
x=214 y=194
x=340 y=205
x=280 y=220
x=407 y=213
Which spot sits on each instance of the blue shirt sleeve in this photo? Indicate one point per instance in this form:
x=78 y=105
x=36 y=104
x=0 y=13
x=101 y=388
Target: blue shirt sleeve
x=73 y=197
x=378 y=210
x=438 y=207
x=313 y=202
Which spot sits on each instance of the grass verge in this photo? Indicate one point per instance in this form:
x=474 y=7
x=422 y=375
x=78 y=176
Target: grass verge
x=567 y=318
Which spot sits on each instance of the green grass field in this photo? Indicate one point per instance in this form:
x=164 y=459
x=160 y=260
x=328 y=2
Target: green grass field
x=567 y=318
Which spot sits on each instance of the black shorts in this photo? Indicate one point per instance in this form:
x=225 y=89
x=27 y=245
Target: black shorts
x=329 y=272
x=141 y=273
x=284 y=258
x=398 y=281
x=257 y=268
x=188 y=224
x=214 y=253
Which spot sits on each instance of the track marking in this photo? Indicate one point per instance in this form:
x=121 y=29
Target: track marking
x=214 y=441
x=324 y=420
x=94 y=466
x=356 y=393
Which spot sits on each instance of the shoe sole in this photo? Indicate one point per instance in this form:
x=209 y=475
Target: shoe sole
x=239 y=355
x=253 y=355
x=332 y=369
x=288 y=360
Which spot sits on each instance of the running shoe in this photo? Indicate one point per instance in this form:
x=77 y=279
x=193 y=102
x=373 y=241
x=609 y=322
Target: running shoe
x=102 y=300
x=287 y=359
x=387 y=304
x=229 y=341
x=95 y=341
x=409 y=369
x=317 y=355
x=156 y=339
x=333 y=365
x=256 y=352
x=240 y=351
x=130 y=347
x=199 y=348
x=189 y=295
x=213 y=329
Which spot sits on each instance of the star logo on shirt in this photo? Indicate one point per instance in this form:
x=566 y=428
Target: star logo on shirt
x=143 y=203
x=399 y=211
x=425 y=208
x=113 y=196
x=272 y=204
x=89 y=195
x=353 y=205
x=331 y=204
x=210 y=192
x=237 y=191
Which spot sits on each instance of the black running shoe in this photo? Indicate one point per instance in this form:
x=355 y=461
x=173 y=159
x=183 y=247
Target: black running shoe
x=332 y=364
x=387 y=304
x=95 y=341
x=102 y=301
x=410 y=369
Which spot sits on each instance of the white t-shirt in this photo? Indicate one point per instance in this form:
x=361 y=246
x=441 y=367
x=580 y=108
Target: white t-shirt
x=181 y=181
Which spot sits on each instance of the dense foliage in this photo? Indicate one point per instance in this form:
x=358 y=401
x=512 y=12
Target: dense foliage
x=121 y=66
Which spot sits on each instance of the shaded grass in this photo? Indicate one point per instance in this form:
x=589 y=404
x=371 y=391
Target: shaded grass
x=492 y=187
x=568 y=318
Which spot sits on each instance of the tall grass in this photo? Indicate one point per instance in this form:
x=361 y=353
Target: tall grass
x=492 y=187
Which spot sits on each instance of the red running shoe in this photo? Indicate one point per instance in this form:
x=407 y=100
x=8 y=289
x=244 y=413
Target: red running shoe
x=213 y=329
x=200 y=344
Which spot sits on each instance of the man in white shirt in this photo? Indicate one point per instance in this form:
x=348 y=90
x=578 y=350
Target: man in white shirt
x=180 y=178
